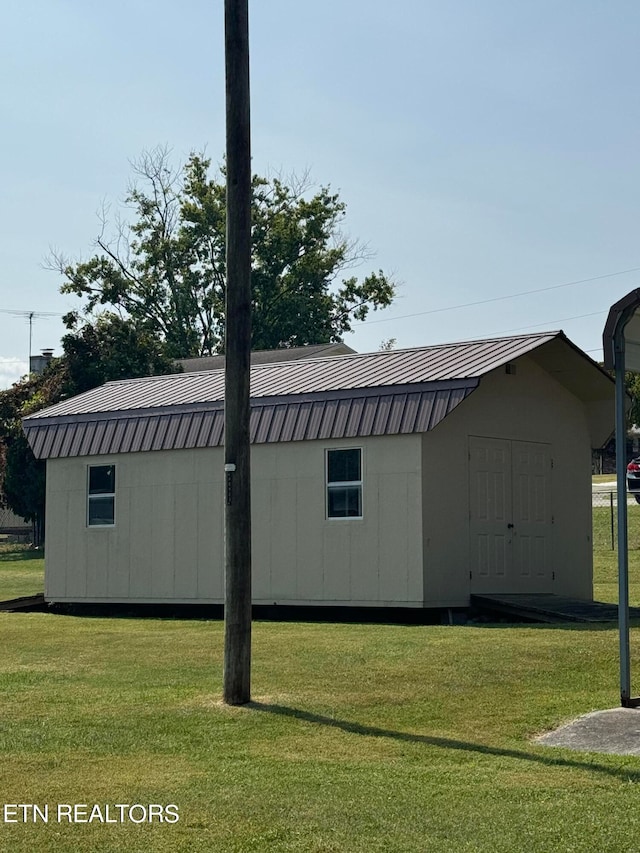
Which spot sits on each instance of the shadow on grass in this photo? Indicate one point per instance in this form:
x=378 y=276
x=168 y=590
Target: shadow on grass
x=14 y=554
x=443 y=743
x=634 y=622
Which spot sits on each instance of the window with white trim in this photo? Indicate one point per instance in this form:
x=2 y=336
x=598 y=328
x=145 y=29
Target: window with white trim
x=101 y=495
x=344 y=483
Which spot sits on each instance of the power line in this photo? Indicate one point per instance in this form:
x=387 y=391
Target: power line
x=550 y=323
x=500 y=298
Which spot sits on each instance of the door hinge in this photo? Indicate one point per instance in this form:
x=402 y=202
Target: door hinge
x=553 y=519
x=553 y=576
x=470 y=576
x=552 y=463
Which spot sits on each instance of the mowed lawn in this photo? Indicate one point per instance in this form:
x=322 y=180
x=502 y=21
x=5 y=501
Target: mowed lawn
x=360 y=737
x=21 y=571
x=605 y=558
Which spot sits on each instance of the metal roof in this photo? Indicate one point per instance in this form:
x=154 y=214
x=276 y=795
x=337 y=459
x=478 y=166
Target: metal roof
x=381 y=393
x=297 y=420
x=466 y=360
x=625 y=312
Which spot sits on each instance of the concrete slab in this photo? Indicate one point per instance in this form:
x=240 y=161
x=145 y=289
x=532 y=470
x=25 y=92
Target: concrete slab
x=616 y=732
x=609 y=486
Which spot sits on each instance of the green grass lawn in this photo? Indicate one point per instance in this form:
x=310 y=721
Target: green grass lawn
x=360 y=737
x=603 y=478
x=605 y=559
x=21 y=571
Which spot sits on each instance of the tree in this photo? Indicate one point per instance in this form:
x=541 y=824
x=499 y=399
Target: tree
x=22 y=476
x=632 y=385
x=387 y=345
x=166 y=271
x=108 y=349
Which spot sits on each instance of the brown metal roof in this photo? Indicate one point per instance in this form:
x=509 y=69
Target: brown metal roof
x=297 y=420
x=382 y=393
x=440 y=363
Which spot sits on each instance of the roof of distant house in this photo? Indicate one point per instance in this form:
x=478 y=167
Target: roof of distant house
x=267 y=356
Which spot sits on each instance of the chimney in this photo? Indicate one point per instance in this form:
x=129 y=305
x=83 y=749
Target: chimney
x=39 y=362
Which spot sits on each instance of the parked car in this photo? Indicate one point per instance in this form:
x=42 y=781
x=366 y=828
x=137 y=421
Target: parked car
x=633 y=478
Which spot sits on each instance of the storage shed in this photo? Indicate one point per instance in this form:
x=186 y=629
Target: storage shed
x=409 y=478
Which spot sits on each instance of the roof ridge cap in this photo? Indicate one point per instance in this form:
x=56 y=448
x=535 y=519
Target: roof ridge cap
x=421 y=348
x=271 y=365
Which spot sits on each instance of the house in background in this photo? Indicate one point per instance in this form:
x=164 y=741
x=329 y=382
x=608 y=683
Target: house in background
x=407 y=478
x=267 y=356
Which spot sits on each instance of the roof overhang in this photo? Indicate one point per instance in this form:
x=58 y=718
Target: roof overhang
x=584 y=378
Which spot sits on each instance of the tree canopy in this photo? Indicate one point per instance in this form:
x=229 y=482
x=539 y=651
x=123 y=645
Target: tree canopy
x=155 y=291
x=108 y=349
x=632 y=385
x=165 y=271
x=94 y=353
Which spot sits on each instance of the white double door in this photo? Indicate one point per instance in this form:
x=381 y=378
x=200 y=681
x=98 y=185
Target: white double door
x=510 y=516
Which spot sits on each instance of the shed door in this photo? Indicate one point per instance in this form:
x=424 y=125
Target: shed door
x=510 y=515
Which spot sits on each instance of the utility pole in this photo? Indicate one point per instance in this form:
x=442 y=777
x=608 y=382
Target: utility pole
x=237 y=608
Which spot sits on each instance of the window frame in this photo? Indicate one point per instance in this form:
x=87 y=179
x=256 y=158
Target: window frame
x=100 y=496
x=334 y=485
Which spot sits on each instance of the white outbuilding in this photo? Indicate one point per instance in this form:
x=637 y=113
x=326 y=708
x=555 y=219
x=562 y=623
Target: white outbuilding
x=406 y=478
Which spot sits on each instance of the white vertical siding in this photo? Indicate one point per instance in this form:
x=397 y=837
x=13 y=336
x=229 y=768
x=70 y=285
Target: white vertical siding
x=140 y=539
x=167 y=543
x=280 y=539
x=210 y=532
x=185 y=572
x=119 y=556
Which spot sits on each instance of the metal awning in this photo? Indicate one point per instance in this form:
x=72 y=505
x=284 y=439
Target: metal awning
x=623 y=316
x=621 y=345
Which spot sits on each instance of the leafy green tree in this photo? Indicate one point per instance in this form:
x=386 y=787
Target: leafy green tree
x=632 y=385
x=108 y=349
x=166 y=271
x=22 y=476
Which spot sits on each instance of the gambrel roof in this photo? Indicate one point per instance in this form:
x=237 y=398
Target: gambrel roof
x=380 y=393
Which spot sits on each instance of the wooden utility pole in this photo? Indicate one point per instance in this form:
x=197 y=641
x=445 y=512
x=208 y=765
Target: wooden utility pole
x=237 y=609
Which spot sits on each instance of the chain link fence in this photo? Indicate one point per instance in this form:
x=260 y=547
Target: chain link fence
x=605 y=524
x=11 y=523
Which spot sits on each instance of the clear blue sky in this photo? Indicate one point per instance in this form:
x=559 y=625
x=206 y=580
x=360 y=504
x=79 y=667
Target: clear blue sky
x=483 y=149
